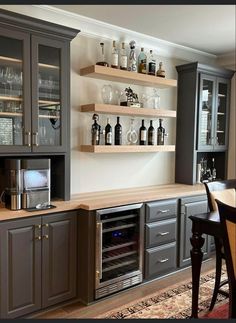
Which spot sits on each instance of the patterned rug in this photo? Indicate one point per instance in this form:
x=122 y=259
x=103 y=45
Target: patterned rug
x=174 y=303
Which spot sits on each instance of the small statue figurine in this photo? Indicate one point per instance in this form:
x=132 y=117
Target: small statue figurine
x=132 y=57
x=132 y=99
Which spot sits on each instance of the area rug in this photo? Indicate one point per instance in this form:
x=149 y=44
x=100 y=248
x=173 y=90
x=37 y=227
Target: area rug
x=175 y=303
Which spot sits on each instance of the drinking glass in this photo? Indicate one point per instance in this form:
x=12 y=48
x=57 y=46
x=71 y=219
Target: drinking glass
x=132 y=136
x=10 y=78
x=107 y=93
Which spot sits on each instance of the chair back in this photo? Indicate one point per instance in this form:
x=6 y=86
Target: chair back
x=218 y=186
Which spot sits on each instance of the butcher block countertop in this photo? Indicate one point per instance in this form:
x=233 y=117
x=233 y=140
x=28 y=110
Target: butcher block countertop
x=105 y=199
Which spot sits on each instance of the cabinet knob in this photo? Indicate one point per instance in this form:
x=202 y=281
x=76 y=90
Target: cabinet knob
x=45 y=236
x=38 y=226
x=38 y=238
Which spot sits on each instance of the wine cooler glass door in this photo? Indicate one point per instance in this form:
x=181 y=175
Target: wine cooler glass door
x=14 y=72
x=49 y=98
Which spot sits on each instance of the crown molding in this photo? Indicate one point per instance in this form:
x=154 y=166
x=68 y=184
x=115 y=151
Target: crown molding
x=228 y=60
x=103 y=31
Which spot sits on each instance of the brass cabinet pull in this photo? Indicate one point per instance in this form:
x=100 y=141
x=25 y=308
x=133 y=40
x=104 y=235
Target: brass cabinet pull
x=163 y=233
x=163 y=260
x=35 y=139
x=45 y=236
x=38 y=238
x=28 y=136
x=38 y=226
x=164 y=211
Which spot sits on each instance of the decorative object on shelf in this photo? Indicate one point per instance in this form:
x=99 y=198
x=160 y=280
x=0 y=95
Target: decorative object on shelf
x=123 y=58
x=96 y=130
x=153 y=101
x=132 y=57
x=132 y=136
x=114 y=55
x=107 y=93
x=131 y=98
x=161 y=72
x=142 y=62
x=55 y=117
x=102 y=62
x=151 y=63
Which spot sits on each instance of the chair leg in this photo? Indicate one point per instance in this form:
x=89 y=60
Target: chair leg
x=218 y=246
x=232 y=302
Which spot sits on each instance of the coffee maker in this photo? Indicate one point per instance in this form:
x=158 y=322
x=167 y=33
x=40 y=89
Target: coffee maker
x=35 y=183
x=13 y=181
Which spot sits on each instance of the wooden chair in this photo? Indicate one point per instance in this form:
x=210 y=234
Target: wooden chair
x=228 y=221
x=211 y=187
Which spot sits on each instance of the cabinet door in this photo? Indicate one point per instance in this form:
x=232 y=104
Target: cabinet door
x=50 y=94
x=20 y=267
x=207 y=97
x=15 y=105
x=188 y=209
x=59 y=232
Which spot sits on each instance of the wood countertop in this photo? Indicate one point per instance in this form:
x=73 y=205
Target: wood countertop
x=104 y=199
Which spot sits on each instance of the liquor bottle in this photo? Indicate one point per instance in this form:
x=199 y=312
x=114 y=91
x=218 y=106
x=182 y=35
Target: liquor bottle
x=102 y=62
x=160 y=133
x=118 y=132
x=132 y=57
x=96 y=130
x=114 y=56
x=123 y=58
x=151 y=64
x=108 y=133
x=142 y=134
x=213 y=171
x=151 y=134
x=161 y=72
x=142 y=62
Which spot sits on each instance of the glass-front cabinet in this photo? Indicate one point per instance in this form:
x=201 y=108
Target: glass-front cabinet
x=32 y=102
x=213 y=113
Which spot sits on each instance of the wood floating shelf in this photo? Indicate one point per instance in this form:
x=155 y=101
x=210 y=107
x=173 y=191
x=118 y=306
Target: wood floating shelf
x=127 y=111
x=100 y=149
x=117 y=75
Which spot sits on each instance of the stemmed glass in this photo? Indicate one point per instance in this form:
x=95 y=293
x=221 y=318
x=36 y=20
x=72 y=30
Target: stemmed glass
x=132 y=136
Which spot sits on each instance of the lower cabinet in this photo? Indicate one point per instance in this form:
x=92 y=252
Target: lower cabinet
x=191 y=206
x=160 y=238
x=37 y=263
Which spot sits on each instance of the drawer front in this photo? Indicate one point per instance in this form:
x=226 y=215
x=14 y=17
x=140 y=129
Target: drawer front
x=160 y=260
x=158 y=233
x=160 y=210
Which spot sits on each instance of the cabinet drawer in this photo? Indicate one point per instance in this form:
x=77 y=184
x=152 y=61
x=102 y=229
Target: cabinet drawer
x=160 y=260
x=158 y=233
x=160 y=210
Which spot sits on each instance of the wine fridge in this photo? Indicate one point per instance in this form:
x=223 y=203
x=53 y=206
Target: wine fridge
x=119 y=248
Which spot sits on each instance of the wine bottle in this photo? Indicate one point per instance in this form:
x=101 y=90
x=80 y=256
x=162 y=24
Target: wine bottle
x=96 y=130
x=102 y=62
x=118 y=132
x=151 y=134
x=160 y=133
x=213 y=171
x=161 y=71
x=142 y=62
x=123 y=58
x=151 y=64
x=114 y=56
x=108 y=133
x=142 y=134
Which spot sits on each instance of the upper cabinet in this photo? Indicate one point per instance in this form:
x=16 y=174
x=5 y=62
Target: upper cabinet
x=34 y=84
x=202 y=122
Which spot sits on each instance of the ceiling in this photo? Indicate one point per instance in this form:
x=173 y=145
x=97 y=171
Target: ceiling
x=209 y=28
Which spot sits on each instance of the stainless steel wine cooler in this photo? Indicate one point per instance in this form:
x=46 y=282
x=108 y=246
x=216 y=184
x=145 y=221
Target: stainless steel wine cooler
x=119 y=248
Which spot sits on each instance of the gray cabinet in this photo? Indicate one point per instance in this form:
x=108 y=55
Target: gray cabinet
x=160 y=238
x=37 y=263
x=202 y=120
x=190 y=206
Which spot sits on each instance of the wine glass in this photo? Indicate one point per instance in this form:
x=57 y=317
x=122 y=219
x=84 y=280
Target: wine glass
x=132 y=136
x=10 y=78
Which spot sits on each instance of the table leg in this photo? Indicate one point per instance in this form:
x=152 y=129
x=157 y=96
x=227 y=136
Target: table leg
x=197 y=242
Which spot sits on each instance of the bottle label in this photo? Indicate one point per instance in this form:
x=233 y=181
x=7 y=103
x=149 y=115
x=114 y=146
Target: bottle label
x=109 y=138
x=124 y=61
x=114 y=61
x=143 y=135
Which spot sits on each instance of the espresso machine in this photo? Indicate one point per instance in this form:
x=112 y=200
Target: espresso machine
x=13 y=181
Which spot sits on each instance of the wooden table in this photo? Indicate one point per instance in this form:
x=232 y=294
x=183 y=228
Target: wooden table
x=208 y=223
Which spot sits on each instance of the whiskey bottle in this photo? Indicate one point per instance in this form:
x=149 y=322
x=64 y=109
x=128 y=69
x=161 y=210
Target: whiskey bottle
x=160 y=71
x=142 y=134
x=142 y=62
x=151 y=134
x=151 y=64
x=102 y=62
x=132 y=57
x=96 y=130
x=114 y=56
x=108 y=133
x=123 y=58
x=118 y=132
x=160 y=133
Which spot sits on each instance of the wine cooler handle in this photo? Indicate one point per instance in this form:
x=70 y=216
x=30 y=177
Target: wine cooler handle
x=99 y=254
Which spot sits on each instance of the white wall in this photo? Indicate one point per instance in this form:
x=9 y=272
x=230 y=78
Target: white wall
x=94 y=172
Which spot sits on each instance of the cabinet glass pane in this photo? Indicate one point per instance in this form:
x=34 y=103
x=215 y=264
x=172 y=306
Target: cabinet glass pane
x=49 y=96
x=221 y=114
x=11 y=85
x=206 y=113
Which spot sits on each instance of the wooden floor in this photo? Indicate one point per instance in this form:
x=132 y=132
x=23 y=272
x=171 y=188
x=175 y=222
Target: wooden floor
x=78 y=310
